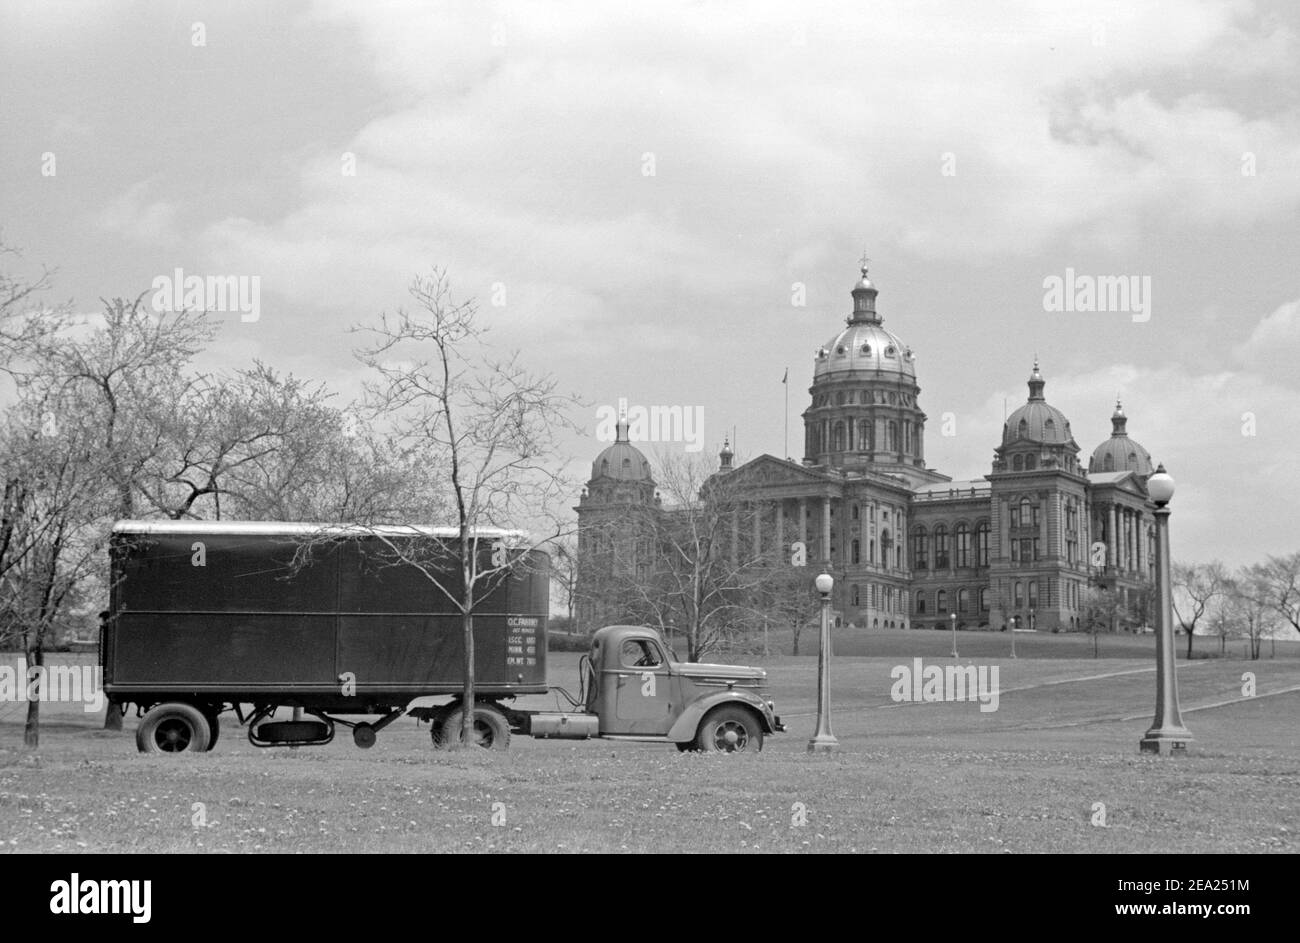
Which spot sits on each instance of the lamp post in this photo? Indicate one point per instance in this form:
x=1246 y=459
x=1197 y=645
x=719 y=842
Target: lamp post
x=952 y=617
x=1013 y=636
x=1167 y=732
x=823 y=740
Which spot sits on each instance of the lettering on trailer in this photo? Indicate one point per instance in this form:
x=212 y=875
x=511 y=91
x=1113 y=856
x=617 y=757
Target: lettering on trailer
x=521 y=642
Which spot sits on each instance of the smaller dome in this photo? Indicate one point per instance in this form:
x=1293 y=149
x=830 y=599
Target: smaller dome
x=1037 y=420
x=621 y=461
x=1119 y=453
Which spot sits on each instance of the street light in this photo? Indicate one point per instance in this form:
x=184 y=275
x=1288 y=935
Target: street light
x=823 y=740
x=953 y=617
x=1167 y=731
x=1013 y=636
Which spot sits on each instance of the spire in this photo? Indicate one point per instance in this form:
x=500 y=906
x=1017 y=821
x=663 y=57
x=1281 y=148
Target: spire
x=1118 y=421
x=864 y=298
x=1036 y=383
x=620 y=430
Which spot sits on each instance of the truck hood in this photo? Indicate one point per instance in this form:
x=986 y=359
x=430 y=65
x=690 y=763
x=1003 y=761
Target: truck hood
x=721 y=673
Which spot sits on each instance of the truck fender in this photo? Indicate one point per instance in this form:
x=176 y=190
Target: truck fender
x=689 y=722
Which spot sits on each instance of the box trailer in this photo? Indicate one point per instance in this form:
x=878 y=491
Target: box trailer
x=341 y=623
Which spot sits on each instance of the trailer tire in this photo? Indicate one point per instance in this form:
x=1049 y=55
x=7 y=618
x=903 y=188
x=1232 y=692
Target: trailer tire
x=730 y=728
x=490 y=726
x=214 y=727
x=173 y=728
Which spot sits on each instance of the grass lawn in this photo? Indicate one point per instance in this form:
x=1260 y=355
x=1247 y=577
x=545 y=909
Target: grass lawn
x=907 y=778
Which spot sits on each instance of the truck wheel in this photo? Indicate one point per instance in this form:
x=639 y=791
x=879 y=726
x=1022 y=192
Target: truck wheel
x=730 y=729
x=173 y=728
x=491 y=729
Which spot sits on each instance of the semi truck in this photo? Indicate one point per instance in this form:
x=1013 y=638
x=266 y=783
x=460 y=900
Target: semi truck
x=348 y=627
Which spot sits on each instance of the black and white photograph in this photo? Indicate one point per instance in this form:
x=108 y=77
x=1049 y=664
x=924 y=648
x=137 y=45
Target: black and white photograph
x=690 y=428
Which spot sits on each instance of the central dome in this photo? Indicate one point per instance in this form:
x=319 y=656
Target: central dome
x=864 y=344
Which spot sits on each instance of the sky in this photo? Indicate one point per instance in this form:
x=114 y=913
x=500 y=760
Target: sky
x=668 y=203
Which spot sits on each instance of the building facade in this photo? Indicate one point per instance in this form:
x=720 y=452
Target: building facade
x=909 y=547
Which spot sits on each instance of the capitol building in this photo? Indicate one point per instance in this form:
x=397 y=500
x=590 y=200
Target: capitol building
x=910 y=547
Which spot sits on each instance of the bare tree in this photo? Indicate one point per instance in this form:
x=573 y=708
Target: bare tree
x=489 y=428
x=693 y=567
x=1278 y=582
x=564 y=571
x=1103 y=610
x=1196 y=589
x=1251 y=606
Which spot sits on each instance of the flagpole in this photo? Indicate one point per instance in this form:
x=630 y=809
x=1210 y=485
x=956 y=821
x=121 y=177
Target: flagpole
x=785 y=381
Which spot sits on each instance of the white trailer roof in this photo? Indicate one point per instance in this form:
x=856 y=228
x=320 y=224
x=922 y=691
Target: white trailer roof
x=305 y=529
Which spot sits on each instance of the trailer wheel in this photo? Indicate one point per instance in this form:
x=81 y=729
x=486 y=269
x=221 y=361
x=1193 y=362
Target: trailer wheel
x=173 y=728
x=730 y=728
x=214 y=727
x=491 y=729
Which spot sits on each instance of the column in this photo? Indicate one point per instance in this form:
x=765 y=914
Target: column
x=864 y=530
x=1141 y=551
x=803 y=521
x=780 y=527
x=757 y=508
x=826 y=528
x=1112 y=530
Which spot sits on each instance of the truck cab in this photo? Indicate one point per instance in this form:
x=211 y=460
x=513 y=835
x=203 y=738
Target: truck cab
x=639 y=691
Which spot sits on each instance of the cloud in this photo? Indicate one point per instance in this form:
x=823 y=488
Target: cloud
x=1273 y=347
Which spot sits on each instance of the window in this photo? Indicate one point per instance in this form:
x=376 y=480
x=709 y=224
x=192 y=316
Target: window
x=1033 y=594
x=919 y=561
x=837 y=440
x=891 y=436
x=864 y=435
x=984 y=600
x=1017 y=463
x=1031 y=462
x=941 y=601
x=1015 y=516
x=920 y=603
x=963 y=600
x=886 y=544
x=940 y=547
x=1108 y=463
x=856 y=512
x=1023 y=429
x=1049 y=429
x=640 y=653
x=866 y=349
x=982 y=544
x=856 y=600
x=1020 y=594
x=1027 y=546
x=856 y=555
x=961 y=538
x=1026 y=513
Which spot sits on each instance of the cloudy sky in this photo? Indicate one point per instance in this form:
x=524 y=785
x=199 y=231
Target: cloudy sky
x=643 y=188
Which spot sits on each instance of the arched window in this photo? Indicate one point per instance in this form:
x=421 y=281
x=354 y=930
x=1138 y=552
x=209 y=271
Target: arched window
x=941 y=601
x=1026 y=513
x=837 y=440
x=856 y=600
x=961 y=540
x=1033 y=594
x=1108 y=463
x=982 y=543
x=940 y=547
x=627 y=465
x=920 y=603
x=1031 y=462
x=984 y=600
x=1017 y=463
x=963 y=600
x=1049 y=428
x=857 y=513
x=1020 y=594
x=857 y=553
x=1133 y=459
x=919 y=558
x=1022 y=431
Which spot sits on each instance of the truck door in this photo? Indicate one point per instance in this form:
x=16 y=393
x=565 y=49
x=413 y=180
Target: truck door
x=642 y=688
